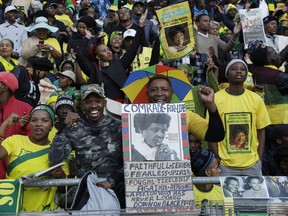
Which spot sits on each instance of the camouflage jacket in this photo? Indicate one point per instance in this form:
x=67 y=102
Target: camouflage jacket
x=97 y=147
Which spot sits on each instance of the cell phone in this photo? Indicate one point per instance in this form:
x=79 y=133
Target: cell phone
x=41 y=42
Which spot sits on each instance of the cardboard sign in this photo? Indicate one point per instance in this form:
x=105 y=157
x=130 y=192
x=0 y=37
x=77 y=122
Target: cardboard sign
x=159 y=186
x=156 y=154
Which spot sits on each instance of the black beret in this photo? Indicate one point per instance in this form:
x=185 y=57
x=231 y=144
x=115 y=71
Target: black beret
x=89 y=21
x=278 y=131
x=41 y=63
x=269 y=18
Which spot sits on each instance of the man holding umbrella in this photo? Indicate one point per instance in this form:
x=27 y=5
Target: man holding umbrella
x=159 y=90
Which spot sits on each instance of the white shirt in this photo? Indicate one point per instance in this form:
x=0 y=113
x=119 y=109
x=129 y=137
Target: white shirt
x=16 y=33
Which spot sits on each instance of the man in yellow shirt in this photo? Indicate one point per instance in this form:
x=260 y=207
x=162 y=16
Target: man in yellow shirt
x=245 y=117
x=159 y=90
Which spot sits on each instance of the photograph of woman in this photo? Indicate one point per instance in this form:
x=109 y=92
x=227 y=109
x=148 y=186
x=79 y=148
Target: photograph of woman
x=177 y=35
x=254 y=187
x=238 y=137
x=153 y=128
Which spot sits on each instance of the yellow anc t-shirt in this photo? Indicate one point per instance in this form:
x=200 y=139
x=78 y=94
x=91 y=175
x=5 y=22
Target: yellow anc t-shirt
x=215 y=195
x=196 y=125
x=242 y=115
x=34 y=159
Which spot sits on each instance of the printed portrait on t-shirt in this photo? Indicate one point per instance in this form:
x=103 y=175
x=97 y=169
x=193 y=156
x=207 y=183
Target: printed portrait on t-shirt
x=238 y=139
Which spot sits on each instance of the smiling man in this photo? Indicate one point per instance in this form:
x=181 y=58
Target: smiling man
x=159 y=90
x=96 y=139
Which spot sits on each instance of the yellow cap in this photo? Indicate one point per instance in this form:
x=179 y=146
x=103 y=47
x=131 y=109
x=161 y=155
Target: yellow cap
x=51 y=100
x=230 y=6
x=113 y=8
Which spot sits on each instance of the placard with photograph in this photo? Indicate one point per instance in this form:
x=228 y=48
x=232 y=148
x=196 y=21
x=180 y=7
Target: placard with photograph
x=277 y=186
x=252 y=25
x=157 y=168
x=176 y=34
x=154 y=132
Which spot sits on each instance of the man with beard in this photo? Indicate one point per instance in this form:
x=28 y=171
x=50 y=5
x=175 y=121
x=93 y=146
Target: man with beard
x=96 y=139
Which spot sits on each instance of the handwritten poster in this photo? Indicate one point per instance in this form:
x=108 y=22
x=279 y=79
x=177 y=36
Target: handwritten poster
x=157 y=161
x=158 y=186
x=176 y=33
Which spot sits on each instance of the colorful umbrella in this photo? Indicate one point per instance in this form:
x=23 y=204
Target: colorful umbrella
x=135 y=86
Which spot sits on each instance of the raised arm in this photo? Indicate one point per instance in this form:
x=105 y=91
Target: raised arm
x=129 y=56
x=10 y=121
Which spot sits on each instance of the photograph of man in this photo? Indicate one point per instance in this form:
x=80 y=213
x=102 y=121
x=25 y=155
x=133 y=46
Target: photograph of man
x=238 y=137
x=153 y=128
x=231 y=187
x=176 y=35
x=275 y=187
x=254 y=187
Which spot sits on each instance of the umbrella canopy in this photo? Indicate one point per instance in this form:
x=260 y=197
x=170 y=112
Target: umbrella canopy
x=135 y=86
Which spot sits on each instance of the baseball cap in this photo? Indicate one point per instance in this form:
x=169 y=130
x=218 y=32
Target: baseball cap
x=50 y=4
x=68 y=73
x=129 y=33
x=10 y=8
x=92 y=88
x=9 y=80
x=138 y=2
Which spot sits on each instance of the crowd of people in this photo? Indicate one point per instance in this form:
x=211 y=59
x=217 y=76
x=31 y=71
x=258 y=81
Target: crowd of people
x=60 y=60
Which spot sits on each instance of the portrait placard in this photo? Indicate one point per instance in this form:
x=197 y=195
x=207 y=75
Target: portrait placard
x=157 y=168
x=154 y=132
x=176 y=36
x=252 y=25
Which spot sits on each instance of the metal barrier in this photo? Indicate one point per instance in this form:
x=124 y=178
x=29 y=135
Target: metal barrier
x=213 y=208
x=75 y=181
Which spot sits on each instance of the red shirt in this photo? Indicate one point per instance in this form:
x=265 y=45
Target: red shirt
x=13 y=106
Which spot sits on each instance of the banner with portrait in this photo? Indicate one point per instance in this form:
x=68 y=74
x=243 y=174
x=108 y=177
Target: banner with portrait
x=252 y=25
x=256 y=194
x=176 y=36
x=157 y=166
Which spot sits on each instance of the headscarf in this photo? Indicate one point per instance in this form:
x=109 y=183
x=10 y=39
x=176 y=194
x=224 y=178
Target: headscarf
x=47 y=109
